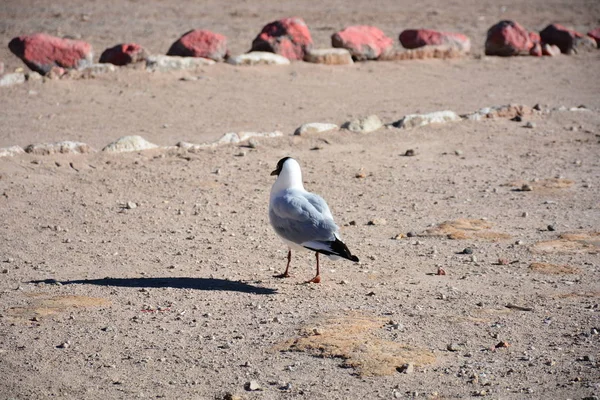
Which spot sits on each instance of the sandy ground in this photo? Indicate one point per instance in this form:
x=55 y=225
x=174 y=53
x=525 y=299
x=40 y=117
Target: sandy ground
x=176 y=297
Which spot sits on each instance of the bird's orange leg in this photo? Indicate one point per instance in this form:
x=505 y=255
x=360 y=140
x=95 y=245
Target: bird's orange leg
x=317 y=278
x=286 y=274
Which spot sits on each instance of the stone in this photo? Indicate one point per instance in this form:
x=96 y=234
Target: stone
x=509 y=111
x=15 y=78
x=567 y=40
x=594 y=34
x=191 y=147
x=315 y=127
x=40 y=52
x=252 y=386
x=98 y=69
x=377 y=221
x=33 y=76
x=417 y=120
x=11 y=151
x=288 y=37
x=507 y=38
x=258 y=58
x=64 y=147
x=453 y=347
x=331 y=56
x=173 y=63
x=536 y=50
x=367 y=124
x=129 y=143
x=408 y=368
x=415 y=38
x=550 y=50
x=423 y=53
x=200 y=43
x=124 y=54
x=363 y=42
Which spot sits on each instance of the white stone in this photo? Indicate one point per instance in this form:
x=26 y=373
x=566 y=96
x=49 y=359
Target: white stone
x=258 y=58
x=12 y=79
x=129 y=143
x=64 y=147
x=417 y=120
x=11 y=151
x=364 y=125
x=174 y=63
x=315 y=127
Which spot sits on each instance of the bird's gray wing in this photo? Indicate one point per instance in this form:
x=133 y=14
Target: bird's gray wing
x=302 y=217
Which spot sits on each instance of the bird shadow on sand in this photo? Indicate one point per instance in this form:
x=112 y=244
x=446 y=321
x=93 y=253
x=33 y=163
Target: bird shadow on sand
x=169 y=282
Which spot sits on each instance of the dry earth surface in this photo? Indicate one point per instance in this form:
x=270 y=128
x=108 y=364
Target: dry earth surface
x=174 y=295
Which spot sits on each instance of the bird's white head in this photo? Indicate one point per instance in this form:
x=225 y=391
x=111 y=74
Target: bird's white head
x=288 y=174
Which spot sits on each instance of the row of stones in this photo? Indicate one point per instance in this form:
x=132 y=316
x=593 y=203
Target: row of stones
x=361 y=125
x=291 y=39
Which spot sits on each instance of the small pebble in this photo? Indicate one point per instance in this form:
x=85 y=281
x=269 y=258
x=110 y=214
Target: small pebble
x=530 y=125
x=467 y=250
x=526 y=188
x=525 y=214
x=377 y=221
x=409 y=153
x=131 y=205
x=551 y=228
x=453 y=347
x=252 y=386
x=408 y=368
x=411 y=234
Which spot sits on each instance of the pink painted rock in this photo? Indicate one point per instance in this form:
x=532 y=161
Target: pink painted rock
x=41 y=52
x=567 y=40
x=288 y=37
x=200 y=43
x=507 y=38
x=123 y=54
x=595 y=34
x=535 y=37
x=363 y=42
x=550 y=50
x=415 y=38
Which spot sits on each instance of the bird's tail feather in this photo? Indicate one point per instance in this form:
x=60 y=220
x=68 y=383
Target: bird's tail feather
x=331 y=248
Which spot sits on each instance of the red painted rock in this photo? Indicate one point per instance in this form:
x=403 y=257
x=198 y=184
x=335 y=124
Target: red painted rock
x=535 y=37
x=415 y=38
x=507 y=38
x=123 y=54
x=595 y=34
x=363 y=42
x=567 y=40
x=41 y=52
x=200 y=43
x=288 y=37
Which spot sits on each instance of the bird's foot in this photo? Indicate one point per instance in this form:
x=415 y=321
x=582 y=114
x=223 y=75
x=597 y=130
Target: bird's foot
x=284 y=275
x=316 y=279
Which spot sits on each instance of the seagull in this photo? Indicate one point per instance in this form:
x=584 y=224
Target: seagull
x=302 y=219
